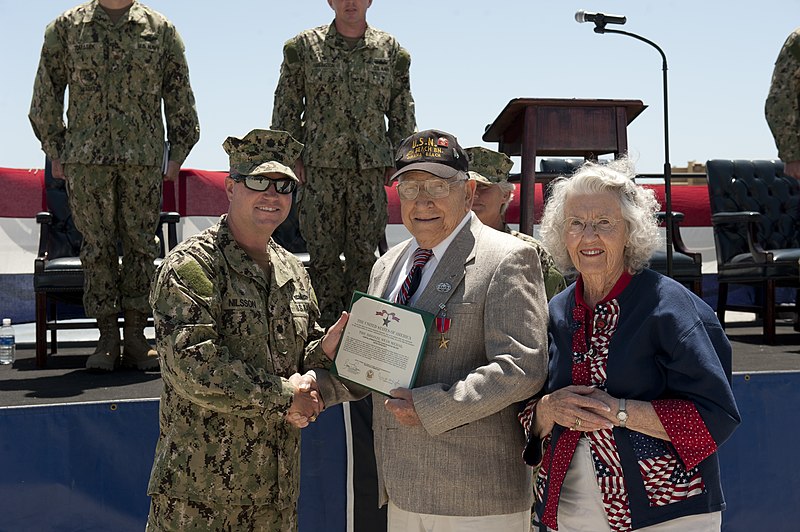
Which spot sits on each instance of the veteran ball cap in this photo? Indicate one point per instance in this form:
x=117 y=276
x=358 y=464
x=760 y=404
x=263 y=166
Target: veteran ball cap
x=263 y=151
x=432 y=151
x=488 y=166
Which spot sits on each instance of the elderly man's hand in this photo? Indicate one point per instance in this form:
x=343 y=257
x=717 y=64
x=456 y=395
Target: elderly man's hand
x=307 y=403
x=401 y=405
x=334 y=334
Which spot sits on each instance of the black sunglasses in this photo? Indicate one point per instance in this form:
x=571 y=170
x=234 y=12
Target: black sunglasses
x=285 y=185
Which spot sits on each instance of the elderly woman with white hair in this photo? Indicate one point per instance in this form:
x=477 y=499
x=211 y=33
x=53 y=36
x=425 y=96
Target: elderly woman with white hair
x=638 y=399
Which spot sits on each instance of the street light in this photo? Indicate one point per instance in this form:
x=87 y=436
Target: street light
x=600 y=20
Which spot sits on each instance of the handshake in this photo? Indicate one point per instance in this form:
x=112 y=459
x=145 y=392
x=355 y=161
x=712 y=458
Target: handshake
x=307 y=403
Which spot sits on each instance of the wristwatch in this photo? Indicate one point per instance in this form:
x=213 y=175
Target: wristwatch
x=622 y=414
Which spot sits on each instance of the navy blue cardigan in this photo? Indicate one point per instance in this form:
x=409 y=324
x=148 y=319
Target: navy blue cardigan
x=668 y=345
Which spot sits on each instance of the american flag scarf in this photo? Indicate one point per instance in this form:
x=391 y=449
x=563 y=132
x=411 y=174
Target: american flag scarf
x=666 y=480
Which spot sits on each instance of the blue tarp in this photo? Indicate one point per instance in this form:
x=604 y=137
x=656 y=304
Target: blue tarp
x=84 y=467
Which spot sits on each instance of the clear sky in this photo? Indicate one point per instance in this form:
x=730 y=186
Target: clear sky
x=469 y=58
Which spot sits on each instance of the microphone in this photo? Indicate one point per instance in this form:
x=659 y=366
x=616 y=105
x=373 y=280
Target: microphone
x=599 y=18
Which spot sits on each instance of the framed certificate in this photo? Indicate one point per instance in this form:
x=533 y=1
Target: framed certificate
x=382 y=344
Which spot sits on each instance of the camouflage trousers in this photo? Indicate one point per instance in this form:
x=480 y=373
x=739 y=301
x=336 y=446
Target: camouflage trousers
x=341 y=212
x=112 y=205
x=178 y=515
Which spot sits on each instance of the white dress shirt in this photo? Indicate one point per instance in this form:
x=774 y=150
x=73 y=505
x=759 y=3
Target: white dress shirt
x=404 y=264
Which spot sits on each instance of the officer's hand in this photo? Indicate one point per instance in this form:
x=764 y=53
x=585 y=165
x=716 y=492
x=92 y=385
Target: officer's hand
x=173 y=169
x=334 y=334
x=401 y=404
x=307 y=403
x=300 y=170
x=57 y=169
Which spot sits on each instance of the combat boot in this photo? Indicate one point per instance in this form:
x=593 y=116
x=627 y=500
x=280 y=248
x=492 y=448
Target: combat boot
x=136 y=351
x=106 y=355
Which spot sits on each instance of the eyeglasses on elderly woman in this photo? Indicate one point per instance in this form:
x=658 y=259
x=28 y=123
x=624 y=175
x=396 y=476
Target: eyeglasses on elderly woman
x=601 y=226
x=284 y=185
x=435 y=188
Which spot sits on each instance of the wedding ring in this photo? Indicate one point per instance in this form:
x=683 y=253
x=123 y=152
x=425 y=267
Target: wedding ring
x=312 y=419
x=577 y=422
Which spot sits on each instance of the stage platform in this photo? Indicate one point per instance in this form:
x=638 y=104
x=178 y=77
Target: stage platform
x=84 y=442
x=66 y=381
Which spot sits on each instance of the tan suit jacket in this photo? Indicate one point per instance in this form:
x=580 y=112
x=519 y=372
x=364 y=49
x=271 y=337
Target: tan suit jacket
x=465 y=459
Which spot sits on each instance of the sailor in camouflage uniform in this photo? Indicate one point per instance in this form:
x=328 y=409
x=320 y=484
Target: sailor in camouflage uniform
x=492 y=196
x=339 y=86
x=783 y=104
x=120 y=60
x=236 y=320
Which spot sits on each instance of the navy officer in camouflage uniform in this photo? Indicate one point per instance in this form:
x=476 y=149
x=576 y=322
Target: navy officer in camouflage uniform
x=493 y=194
x=783 y=104
x=340 y=85
x=236 y=320
x=120 y=60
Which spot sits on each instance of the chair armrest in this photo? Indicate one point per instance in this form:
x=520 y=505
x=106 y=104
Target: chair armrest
x=751 y=219
x=676 y=216
x=44 y=219
x=677 y=239
x=383 y=245
x=171 y=219
x=740 y=217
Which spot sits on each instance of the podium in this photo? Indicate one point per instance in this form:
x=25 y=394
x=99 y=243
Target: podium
x=563 y=127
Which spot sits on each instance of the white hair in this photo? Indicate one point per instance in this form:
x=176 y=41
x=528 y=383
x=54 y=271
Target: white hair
x=638 y=205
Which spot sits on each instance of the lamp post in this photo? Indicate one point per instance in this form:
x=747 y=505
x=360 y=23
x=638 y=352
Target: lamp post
x=600 y=20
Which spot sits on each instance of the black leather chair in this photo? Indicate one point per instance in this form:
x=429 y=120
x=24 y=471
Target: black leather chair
x=687 y=266
x=559 y=167
x=754 y=212
x=57 y=270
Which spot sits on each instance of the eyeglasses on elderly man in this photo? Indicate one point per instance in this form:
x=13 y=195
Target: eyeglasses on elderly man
x=435 y=188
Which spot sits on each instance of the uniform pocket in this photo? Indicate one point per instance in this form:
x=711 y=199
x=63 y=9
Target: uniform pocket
x=88 y=61
x=145 y=74
x=323 y=75
x=300 y=320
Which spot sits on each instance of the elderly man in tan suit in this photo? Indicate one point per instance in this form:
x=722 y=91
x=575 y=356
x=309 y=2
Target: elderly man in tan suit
x=448 y=450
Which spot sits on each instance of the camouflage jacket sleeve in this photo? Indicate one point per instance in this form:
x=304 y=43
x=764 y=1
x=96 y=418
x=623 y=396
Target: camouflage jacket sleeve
x=314 y=357
x=183 y=129
x=783 y=102
x=402 y=121
x=289 y=103
x=193 y=360
x=47 y=105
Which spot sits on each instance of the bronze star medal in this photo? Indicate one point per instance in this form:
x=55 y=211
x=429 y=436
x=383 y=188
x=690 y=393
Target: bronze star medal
x=443 y=325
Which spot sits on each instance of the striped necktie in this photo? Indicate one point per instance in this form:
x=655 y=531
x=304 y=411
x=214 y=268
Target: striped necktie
x=410 y=285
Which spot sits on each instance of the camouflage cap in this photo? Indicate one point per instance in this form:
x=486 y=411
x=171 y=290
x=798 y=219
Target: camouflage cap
x=263 y=151
x=488 y=166
x=432 y=151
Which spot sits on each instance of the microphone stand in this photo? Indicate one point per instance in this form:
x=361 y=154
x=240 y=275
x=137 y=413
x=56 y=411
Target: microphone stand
x=600 y=27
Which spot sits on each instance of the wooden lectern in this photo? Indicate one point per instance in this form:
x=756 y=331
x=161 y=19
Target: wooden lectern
x=565 y=127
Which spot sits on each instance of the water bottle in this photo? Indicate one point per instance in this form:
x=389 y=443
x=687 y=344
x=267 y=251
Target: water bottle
x=7 y=342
